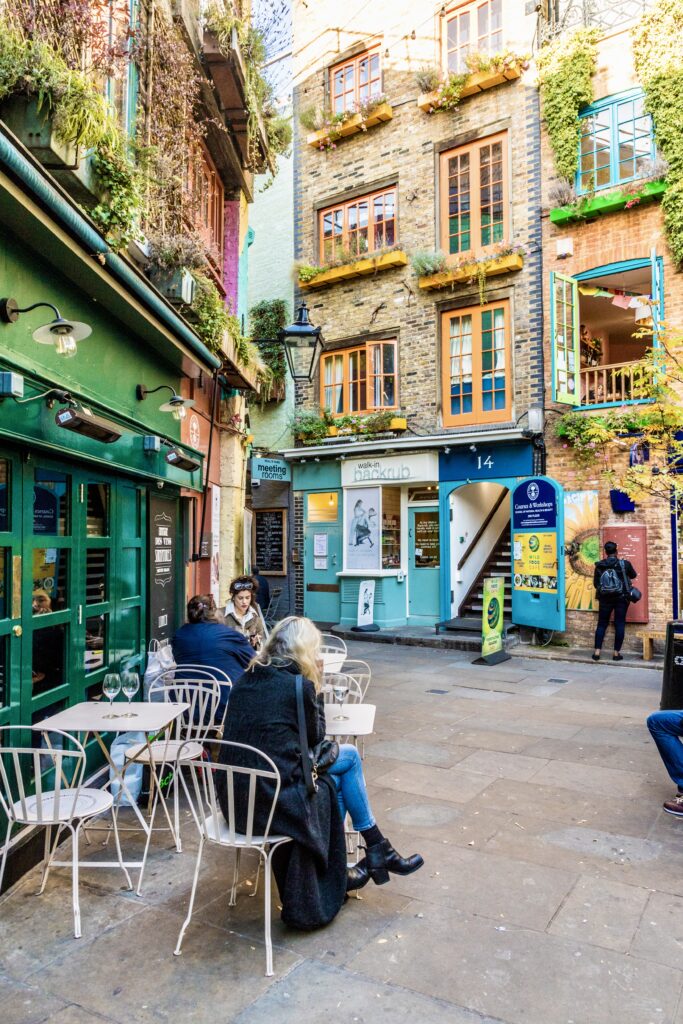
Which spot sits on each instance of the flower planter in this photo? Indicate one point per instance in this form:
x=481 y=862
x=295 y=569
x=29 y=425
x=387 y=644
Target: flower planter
x=178 y=286
x=477 y=82
x=610 y=203
x=361 y=268
x=459 y=275
x=354 y=124
x=621 y=502
x=399 y=423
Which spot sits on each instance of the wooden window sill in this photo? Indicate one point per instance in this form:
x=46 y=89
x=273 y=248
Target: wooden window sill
x=353 y=124
x=361 y=268
x=612 y=202
x=459 y=275
x=477 y=82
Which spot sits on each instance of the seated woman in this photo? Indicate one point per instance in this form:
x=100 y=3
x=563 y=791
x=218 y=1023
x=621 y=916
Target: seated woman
x=205 y=640
x=311 y=871
x=243 y=613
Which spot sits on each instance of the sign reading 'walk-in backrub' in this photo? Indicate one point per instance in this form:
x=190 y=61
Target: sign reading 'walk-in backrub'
x=537 y=516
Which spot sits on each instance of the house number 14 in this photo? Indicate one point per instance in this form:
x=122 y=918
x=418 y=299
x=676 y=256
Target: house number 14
x=486 y=462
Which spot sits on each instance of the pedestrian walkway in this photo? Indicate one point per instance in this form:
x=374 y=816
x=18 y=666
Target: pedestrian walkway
x=552 y=891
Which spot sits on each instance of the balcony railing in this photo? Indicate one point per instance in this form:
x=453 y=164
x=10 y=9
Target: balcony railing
x=615 y=382
x=606 y=15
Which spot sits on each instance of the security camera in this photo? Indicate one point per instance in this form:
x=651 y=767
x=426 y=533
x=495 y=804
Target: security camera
x=255 y=483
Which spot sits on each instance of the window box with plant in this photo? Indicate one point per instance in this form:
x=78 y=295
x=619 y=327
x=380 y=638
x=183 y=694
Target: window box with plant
x=326 y=127
x=434 y=270
x=442 y=92
x=312 y=276
x=312 y=428
x=591 y=205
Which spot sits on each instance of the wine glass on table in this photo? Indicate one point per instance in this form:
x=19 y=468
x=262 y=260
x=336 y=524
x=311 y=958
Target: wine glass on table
x=111 y=687
x=130 y=684
x=340 y=689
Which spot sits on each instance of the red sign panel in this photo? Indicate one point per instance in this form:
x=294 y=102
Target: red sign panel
x=631 y=541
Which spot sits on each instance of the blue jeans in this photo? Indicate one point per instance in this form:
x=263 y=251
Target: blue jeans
x=352 y=796
x=666 y=728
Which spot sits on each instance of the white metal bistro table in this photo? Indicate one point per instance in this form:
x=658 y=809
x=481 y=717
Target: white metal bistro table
x=359 y=720
x=92 y=717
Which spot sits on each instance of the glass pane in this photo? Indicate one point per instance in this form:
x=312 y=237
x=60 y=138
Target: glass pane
x=51 y=505
x=48 y=658
x=96 y=589
x=4 y=678
x=50 y=582
x=323 y=508
x=426 y=540
x=95 y=642
x=98 y=510
x=129 y=579
x=391 y=528
x=5 y=470
x=5 y=580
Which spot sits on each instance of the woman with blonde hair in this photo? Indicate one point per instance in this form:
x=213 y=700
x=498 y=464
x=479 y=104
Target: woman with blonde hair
x=311 y=871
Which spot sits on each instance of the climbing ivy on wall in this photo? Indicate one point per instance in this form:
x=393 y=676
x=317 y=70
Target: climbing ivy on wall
x=658 y=57
x=565 y=70
x=266 y=320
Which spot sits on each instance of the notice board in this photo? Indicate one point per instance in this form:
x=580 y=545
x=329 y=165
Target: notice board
x=631 y=541
x=163 y=556
x=269 y=550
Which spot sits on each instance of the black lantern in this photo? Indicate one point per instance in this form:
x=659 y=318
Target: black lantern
x=302 y=343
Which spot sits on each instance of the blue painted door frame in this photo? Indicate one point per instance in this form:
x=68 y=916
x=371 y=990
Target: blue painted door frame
x=423 y=582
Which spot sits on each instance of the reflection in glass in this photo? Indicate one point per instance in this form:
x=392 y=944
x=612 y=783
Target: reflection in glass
x=48 y=658
x=4 y=692
x=426 y=540
x=96 y=575
x=95 y=642
x=50 y=593
x=51 y=502
x=4 y=583
x=97 y=524
x=5 y=523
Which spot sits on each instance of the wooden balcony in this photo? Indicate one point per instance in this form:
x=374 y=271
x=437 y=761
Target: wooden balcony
x=614 y=382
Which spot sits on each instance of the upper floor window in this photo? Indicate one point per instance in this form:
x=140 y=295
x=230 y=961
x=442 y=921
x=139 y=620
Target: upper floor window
x=355 y=82
x=206 y=196
x=616 y=142
x=358 y=380
x=359 y=226
x=473 y=28
x=474 y=203
x=476 y=381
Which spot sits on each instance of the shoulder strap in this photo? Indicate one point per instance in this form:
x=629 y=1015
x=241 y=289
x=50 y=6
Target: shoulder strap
x=627 y=582
x=303 y=738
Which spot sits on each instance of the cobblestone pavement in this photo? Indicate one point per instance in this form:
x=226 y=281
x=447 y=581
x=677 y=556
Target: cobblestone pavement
x=552 y=891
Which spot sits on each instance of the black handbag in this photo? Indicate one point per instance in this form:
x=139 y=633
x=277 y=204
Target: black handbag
x=634 y=595
x=323 y=755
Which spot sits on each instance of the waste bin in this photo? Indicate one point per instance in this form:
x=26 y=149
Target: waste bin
x=672 y=681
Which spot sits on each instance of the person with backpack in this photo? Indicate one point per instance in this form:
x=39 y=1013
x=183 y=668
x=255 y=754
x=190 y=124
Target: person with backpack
x=611 y=580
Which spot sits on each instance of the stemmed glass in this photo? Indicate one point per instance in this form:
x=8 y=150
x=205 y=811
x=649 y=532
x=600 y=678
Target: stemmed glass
x=130 y=684
x=111 y=687
x=340 y=689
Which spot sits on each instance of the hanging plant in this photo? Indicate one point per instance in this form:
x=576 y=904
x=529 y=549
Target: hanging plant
x=565 y=72
x=266 y=320
x=658 y=58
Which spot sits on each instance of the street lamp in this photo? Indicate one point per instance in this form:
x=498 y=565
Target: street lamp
x=60 y=332
x=302 y=343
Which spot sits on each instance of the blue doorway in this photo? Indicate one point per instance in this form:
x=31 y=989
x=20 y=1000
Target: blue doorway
x=424 y=565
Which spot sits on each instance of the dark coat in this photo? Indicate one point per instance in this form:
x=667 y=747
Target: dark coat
x=612 y=563
x=213 y=645
x=263 y=593
x=311 y=871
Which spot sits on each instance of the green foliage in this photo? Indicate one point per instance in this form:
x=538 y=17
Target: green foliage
x=322 y=119
x=658 y=58
x=449 y=92
x=565 y=70
x=308 y=271
x=449 y=89
x=312 y=428
x=186 y=251
x=428 y=79
x=266 y=320
x=426 y=262
x=213 y=319
x=117 y=214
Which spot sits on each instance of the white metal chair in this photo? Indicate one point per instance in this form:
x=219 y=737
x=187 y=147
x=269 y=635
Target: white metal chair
x=171 y=753
x=270 y=613
x=188 y=670
x=361 y=672
x=215 y=829
x=355 y=693
x=65 y=806
x=333 y=651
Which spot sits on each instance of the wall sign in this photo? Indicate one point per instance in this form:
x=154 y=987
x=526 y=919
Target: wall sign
x=537 y=520
x=418 y=467
x=534 y=505
x=270 y=538
x=271 y=469
x=631 y=541
x=366 y=603
x=487 y=462
x=492 y=616
x=163 y=537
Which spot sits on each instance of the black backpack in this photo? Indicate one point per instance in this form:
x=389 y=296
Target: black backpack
x=611 y=583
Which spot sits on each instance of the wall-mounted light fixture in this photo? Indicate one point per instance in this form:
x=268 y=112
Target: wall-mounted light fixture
x=81 y=420
x=176 y=405
x=62 y=333
x=302 y=343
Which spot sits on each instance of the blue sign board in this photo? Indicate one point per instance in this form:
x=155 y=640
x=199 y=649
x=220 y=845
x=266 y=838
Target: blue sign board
x=276 y=470
x=534 y=505
x=537 y=534
x=486 y=461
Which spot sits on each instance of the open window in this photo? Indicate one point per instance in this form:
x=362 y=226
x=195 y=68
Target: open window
x=602 y=323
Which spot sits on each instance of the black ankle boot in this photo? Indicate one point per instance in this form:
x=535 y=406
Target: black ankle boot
x=383 y=858
x=357 y=876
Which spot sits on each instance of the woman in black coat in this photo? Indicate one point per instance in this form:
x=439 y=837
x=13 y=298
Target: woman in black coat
x=311 y=871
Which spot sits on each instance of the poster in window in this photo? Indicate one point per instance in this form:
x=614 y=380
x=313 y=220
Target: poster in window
x=362 y=524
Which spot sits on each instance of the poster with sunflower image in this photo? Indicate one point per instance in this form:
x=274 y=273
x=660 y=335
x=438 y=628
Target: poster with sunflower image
x=581 y=548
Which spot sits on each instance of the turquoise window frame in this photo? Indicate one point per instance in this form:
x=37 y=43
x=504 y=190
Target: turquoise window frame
x=611 y=104
x=132 y=79
x=656 y=263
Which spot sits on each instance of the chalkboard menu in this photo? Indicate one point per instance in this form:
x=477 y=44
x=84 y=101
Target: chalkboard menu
x=163 y=553
x=270 y=540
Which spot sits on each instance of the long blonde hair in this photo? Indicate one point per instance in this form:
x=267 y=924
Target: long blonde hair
x=294 y=639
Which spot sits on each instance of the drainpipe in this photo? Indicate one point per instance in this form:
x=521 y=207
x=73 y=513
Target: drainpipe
x=196 y=554
x=70 y=217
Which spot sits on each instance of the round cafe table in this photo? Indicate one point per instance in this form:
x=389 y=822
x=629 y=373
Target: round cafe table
x=359 y=720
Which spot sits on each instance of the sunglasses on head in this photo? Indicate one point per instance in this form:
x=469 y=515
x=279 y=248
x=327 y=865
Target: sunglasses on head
x=242 y=586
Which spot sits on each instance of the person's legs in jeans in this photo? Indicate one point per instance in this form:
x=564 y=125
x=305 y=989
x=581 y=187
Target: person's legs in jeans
x=620 y=609
x=666 y=729
x=352 y=796
x=604 y=614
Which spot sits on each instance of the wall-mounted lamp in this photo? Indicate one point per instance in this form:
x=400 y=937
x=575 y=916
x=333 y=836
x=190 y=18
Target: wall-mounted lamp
x=535 y=420
x=176 y=405
x=62 y=333
x=447 y=450
x=302 y=343
x=473 y=448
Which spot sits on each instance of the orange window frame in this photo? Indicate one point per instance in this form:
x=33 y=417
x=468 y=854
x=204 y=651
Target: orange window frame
x=358 y=380
x=346 y=223
x=473 y=372
x=207 y=204
x=351 y=81
x=472 y=27
x=478 y=174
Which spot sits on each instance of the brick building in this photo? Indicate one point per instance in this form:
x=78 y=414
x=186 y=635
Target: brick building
x=450 y=357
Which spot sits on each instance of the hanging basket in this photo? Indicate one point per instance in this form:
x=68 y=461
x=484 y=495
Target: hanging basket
x=621 y=502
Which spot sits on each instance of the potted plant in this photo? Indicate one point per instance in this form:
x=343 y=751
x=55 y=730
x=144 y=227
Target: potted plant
x=172 y=258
